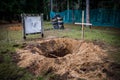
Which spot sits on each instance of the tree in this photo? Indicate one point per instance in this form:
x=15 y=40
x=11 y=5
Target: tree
x=9 y=8
x=87 y=12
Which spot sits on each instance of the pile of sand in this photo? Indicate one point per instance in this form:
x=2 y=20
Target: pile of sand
x=68 y=59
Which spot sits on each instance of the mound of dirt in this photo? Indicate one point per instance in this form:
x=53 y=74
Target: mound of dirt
x=68 y=59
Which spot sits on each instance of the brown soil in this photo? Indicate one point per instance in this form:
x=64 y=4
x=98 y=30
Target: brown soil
x=68 y=59
x=12 y=27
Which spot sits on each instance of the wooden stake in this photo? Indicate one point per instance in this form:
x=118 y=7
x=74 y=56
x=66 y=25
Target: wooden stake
x=82 y=36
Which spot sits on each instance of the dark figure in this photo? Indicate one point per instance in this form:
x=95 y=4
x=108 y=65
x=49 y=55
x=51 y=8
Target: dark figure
x=58 y=22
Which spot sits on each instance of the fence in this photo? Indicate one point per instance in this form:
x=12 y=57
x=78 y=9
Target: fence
x=98 y=17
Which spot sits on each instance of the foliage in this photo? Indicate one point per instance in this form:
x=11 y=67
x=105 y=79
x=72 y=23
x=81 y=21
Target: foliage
x=10 y=9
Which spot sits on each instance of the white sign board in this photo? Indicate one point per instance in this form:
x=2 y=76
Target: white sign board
x=32 y=24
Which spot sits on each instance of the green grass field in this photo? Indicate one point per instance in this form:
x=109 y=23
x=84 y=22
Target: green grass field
x=72 y=31
x=10 y=38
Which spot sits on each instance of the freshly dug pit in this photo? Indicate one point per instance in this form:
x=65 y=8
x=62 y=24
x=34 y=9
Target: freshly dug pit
x=54 y=49
x=67 y=59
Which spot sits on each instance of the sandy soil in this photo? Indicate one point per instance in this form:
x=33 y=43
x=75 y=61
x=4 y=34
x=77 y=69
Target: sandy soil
x=68 y=59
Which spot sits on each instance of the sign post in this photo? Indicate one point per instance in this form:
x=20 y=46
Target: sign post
x=32 y=24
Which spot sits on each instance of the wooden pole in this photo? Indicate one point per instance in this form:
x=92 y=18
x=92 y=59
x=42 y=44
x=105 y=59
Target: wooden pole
x=51 y=2
x=68 y=9
x=88 y=12
x=82 y=36
x=51 y=7
x=72 y=14
x=42 y=30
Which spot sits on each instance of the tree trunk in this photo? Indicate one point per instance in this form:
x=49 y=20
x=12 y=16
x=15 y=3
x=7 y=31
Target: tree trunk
x=68 y=7
x=87 y=12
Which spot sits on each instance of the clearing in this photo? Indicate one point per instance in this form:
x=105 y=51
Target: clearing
x=62 y=55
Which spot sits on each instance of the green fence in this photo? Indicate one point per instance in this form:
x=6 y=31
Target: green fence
x=98 y=17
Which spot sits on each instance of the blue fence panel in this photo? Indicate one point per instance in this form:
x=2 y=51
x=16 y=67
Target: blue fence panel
x=78 y=15
x=117 y=18
x=98 y=17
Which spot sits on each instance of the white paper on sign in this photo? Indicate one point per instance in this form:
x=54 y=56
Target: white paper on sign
x=32 y=24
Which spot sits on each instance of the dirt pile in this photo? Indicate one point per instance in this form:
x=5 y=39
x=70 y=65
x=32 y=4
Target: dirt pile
x=68 y=59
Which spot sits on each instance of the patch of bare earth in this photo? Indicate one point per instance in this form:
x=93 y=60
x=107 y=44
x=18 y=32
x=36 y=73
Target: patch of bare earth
x=68 y=59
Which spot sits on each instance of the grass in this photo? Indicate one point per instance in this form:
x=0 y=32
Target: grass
x=8 y=39
x=103 y=35
x=72 y=31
